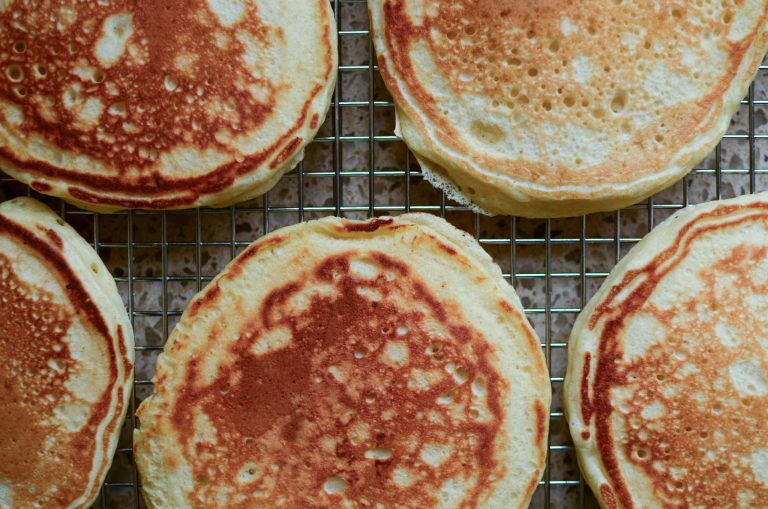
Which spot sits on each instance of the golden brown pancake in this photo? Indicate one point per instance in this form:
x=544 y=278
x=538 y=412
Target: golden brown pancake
x=559 y=108
x=349 y=364
x=159 y=105
x=667 y=383
x=66 y=362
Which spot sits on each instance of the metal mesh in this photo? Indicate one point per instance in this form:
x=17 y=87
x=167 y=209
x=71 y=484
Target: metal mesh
x=356 y=168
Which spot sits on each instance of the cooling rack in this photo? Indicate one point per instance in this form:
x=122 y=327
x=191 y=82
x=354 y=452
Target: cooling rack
x=356 y=168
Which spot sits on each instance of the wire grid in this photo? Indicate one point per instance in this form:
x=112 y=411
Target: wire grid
x=356 y=168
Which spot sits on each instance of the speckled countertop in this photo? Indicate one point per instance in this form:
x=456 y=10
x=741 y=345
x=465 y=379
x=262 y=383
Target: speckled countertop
x=357 y=167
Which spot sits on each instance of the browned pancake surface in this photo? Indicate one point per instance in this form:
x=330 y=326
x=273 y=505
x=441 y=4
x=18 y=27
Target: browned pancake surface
x=46 y=464
x=36 y=362
x=347 y=364
x=518 y=53
x=47 y=54
x=559 y=108
x=676 y=390
x=126 y=83
x=337 y=408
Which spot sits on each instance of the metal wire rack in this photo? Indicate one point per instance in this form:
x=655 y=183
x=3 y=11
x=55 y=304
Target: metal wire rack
x=356 y=168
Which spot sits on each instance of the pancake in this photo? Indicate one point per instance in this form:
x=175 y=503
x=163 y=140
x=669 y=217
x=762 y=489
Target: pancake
x=667 y=386
x=161 y=105
x=349 y=364
x=66 y=362
x=558 y=108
